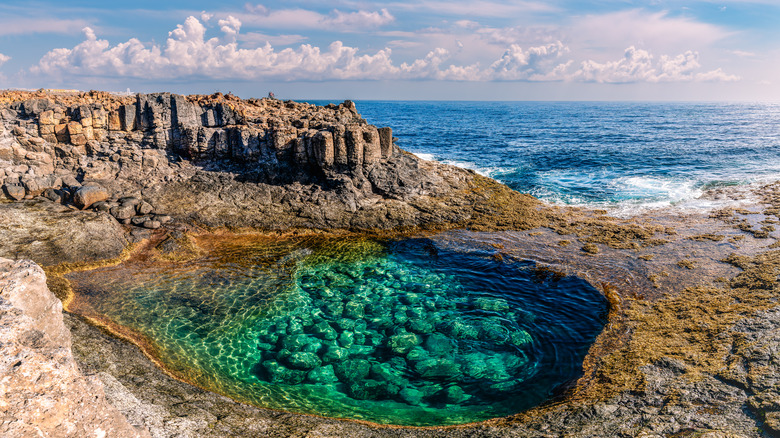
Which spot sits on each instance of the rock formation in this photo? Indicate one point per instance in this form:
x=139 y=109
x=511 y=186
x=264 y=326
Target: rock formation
x=223 y=161
x=42 y=391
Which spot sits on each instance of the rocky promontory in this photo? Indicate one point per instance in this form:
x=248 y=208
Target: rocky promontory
x=219 y=160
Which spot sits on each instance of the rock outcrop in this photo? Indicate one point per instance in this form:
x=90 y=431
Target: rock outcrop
x=42 y=391
x=223 y=161
x=99 y=136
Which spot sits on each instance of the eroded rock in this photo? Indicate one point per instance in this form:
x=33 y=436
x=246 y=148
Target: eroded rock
x=42 y=391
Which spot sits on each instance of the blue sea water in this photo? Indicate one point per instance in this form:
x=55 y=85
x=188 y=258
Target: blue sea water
x=623 y=155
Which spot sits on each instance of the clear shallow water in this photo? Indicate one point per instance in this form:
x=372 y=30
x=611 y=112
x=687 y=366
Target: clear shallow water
x=404 y=333
x=625 y=155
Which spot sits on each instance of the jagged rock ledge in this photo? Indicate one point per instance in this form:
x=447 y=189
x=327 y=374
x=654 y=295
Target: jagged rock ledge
x=222 y=161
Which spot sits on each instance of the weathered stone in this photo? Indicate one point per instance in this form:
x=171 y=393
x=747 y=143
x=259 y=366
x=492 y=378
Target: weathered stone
x=151 y=224
x=33 y=107
x=130 y=200
x=75 y=128
x=339 y=145
x=114 y=121
x=70 y=181
x=372 y=149
x=102 y=206
x=386 y=142
x=123 y=212
x=322 y=375
x=61 y=132
x=43 y=391
x=127 y=114
x=55 y=195
x=144 y=208
x=32 y=187
x=88 y=195
x=46 y=118
x=162 y=218
x=99 y=118
x=402 y=343
x=438 y=368
x=14 y=191
x=352 y=370
x=303 y=361
x=354 y=143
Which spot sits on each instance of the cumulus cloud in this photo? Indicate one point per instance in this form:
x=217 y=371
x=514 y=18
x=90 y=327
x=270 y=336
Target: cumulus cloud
x=638 y=65
x=189 y=52
x=4 y=58
x=536 y=63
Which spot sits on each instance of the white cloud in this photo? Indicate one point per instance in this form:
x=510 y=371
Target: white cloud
x=477 y=8
x=360 y=19
x=536 y=63
x=743 y=53
x=4 y=59
x=255 y=39
x=637 y=65
x=189 y=52
x=336 y=21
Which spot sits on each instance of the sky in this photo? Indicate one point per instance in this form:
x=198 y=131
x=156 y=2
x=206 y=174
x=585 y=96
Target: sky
x=666 y=50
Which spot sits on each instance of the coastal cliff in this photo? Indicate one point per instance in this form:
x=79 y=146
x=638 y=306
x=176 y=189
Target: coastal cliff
x=222 y=161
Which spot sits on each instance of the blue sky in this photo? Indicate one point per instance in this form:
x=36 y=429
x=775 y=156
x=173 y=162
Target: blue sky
x=427 y=49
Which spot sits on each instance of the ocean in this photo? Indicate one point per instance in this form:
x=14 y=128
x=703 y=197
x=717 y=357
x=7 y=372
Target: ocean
x=626 y=157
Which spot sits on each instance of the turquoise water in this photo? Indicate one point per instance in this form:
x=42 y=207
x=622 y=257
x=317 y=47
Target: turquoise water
x=402 y=333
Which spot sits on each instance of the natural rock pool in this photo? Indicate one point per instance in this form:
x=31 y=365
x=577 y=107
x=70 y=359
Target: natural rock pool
x=403 y=332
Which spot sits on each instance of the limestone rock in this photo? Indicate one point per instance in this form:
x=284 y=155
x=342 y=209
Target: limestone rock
x=14 y=191
x=88 y=195
x=42 y=391
x=123 y=212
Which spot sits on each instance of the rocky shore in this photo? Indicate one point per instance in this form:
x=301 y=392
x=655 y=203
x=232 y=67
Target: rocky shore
x=688 y=349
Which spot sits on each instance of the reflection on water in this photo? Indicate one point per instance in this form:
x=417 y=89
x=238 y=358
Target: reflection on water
x=406 y=333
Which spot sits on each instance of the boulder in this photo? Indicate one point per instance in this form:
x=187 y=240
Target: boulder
x=88 y=195
x=144 y=208
x=130 y=200
x=70 y=181
x=14 y=191
x=123 y=212
x=151 y=224
x=301 y=360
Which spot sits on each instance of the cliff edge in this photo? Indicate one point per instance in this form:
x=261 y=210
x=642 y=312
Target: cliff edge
x=219 y=160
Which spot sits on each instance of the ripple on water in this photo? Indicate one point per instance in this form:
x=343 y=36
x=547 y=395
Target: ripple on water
x=404 y=333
